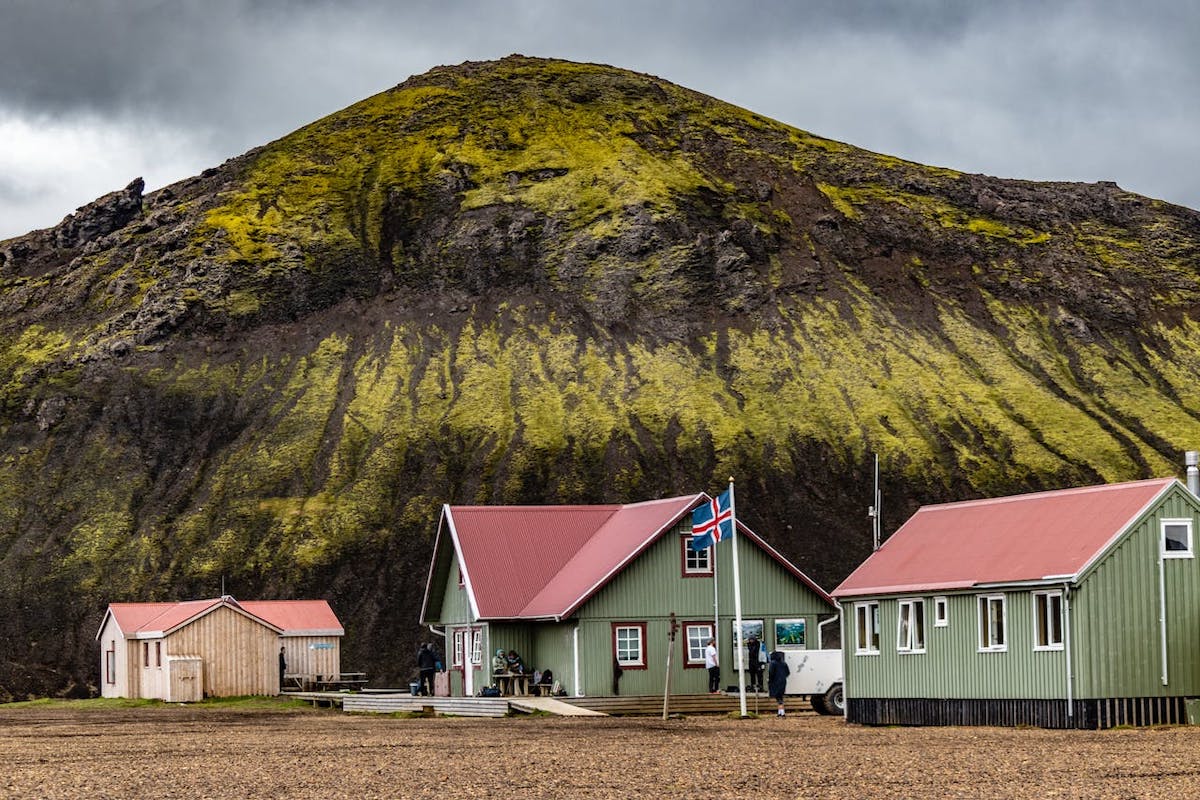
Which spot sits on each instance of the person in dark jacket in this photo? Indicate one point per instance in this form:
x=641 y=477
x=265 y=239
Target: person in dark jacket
x=777 y=675
x=282 y=667
x=426 y=666
x=754 y=666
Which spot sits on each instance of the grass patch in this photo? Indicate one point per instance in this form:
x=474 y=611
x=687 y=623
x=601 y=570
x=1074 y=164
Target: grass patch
x=241 y=703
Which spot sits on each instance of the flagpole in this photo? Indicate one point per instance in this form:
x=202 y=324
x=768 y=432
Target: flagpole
x=737 y=602
x=716 y=597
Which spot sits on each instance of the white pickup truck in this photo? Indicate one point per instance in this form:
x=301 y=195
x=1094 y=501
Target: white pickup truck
x=818 y=674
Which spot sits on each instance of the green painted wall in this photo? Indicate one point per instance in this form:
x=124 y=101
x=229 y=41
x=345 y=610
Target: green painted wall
x=1115 y=613
x=952 y=665
x=455 y=606
x=1115 y=640
x=652 y=587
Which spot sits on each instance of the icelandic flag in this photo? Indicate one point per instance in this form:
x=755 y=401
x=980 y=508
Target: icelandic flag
x=712 y=522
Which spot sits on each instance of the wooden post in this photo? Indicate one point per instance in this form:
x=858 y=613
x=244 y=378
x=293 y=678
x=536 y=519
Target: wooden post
x=670 y=648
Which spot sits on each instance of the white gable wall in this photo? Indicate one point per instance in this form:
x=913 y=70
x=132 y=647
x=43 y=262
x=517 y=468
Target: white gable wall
x=114 y=668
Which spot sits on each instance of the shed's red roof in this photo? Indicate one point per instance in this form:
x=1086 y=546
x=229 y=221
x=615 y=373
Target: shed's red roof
x=543 y=562
x=291 y=617
x=297 y=617
x=1027 y=537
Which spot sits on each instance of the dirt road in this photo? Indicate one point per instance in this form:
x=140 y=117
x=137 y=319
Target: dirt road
x=178 y=752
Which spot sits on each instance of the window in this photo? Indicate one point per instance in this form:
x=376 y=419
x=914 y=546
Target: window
x=696 y=636
x=110 y=662
x=158 y=654
x=629 y=645
x=991 y=623
x=1177 y=538
x=476 y=647
x=696 y=563
x=910 y=627
x=1048 y=621
x=866 y=618
x=458 y=649
x=941 y=612
x=145 y=654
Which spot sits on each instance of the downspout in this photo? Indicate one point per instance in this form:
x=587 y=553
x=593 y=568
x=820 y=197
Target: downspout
x=1067 y=647
x=436 y=632
x=575 y=658
x=1162 y=611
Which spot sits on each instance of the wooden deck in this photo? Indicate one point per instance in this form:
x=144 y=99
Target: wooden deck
x=388 y=703
x=686 y=704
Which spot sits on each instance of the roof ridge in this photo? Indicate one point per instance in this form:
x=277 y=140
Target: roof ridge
x=1074 y=490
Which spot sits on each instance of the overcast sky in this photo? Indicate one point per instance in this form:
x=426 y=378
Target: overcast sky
x=95 y=93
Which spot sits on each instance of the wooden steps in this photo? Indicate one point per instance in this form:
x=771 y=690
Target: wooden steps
x=458 y=706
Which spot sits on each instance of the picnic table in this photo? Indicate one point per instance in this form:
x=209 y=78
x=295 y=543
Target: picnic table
x=348 y=681
x=342 y=681
x=517 y=683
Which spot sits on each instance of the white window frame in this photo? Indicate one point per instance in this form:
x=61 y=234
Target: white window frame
x=906 y=638
x=477 y=647
x=458 y=649
x=987 y=634
x=941 y=612
x=1042 y=614
x=694 y=657
x=631 y=660
x=866 y=618
x=696 y=563
x=1189 y=552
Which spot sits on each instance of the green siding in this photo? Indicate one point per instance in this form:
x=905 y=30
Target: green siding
x=952 y=667
x=1113 y=623
x=1115 y=614
x=455 y=607
x=652 y=587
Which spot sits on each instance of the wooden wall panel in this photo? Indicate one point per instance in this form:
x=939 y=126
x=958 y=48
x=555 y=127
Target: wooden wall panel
x=241 y=656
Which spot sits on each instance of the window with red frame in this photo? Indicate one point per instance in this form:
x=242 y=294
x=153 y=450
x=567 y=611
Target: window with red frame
x=629 y=644
x=695 y=563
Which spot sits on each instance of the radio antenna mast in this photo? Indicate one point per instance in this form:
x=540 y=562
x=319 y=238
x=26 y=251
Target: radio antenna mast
x=875 y=508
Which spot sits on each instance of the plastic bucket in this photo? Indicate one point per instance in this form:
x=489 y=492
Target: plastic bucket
x=415 y=688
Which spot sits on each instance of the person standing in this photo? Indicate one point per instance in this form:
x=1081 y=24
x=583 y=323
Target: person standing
x=753 y=665
x=713 y=666
x=777 y=675
x=426 y=667
x=282 y=667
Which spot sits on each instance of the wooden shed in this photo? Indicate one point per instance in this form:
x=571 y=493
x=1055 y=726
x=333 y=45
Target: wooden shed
x=1075 y=608
x=587 y=591
x=211 y=648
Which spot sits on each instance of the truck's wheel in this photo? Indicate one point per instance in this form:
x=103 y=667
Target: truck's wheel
x=818 y=703
x=834 y=700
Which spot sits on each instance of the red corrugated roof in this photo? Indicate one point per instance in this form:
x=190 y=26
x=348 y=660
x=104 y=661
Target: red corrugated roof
x=1003 y=540
x=297 y=617
x=523 y=561
x=292 y=617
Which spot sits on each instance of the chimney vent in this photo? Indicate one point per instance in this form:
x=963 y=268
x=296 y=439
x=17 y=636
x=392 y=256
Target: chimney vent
x=1192 y=459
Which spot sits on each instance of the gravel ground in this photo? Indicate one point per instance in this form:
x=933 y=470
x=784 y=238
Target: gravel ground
x=196 y=752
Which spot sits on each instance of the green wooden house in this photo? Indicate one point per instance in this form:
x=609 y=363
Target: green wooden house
x=587 y=592
x=1076 y=608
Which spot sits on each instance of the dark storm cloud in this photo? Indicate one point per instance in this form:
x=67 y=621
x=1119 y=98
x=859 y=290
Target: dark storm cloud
x=1073 y=90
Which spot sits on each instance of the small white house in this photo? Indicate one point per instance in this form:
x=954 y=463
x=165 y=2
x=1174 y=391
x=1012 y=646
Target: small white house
x=189 y=650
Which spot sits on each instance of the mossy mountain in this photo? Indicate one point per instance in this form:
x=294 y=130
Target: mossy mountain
x=541 y=281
